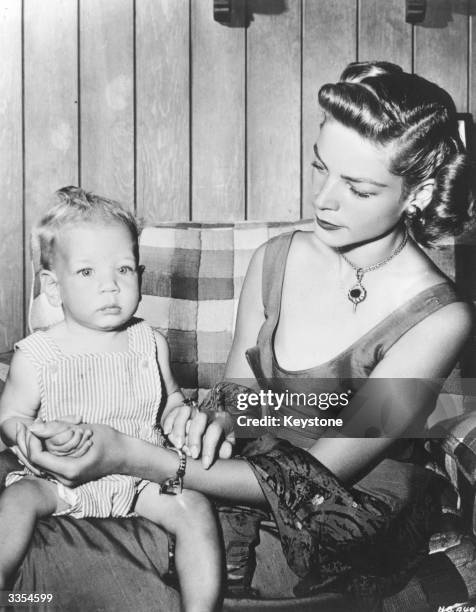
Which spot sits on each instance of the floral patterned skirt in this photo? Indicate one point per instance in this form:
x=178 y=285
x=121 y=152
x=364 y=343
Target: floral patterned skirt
x=334 y=538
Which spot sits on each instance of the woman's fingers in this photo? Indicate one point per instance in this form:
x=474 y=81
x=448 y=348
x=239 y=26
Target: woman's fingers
x=50 y=429
x=212 y=440
x=65 y=448
x=83 y=445
x=83 y=449
x=63 y=439
x=198 y=425
x=15 y=449
x=226 y=449
x=75 y=419
x=21 y=440
x=31 y=449
x=86 y=437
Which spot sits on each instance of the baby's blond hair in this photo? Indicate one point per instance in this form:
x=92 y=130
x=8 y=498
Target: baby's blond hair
x=75 y=205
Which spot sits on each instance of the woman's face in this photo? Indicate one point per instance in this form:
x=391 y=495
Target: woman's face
x=356 y=198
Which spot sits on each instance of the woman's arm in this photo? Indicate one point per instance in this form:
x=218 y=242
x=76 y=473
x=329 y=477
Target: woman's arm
x=399 y=391
x=116 y=453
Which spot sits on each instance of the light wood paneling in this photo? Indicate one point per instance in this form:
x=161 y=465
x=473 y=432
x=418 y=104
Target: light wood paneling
x=162 y=98
x=156 y=102
x=107 y=98
x=51 y=114
x=11 y=167
x=329 y=44
x=218 y=117
x=274 y=112
x=441 y=47
x=383 y=32
x=472 y=70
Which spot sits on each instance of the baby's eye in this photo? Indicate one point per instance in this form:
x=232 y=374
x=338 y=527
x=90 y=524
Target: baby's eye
x=85 y=272
x=361 y=194
x=126 y=269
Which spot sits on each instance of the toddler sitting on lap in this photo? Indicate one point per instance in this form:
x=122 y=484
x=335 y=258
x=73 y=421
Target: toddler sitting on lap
x=105 y=365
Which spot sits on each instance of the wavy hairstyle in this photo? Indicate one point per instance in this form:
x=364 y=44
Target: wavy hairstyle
x=387 y=105
x=75 y=205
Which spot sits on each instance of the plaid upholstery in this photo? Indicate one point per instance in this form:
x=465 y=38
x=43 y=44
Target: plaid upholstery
x=453 y=446
x=191 y=285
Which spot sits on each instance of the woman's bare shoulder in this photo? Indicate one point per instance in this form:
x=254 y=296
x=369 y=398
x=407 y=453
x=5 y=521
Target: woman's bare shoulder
x=424 y=266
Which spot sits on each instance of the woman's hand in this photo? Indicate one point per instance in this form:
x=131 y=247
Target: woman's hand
x=61 y=430
x=209 y=434
x=73 y=442
x=105 y=456
x=65 y=437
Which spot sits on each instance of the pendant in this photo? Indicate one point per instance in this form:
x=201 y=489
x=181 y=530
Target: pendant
x=357 y=293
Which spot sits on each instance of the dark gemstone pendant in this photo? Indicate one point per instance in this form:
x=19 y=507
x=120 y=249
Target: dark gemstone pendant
x=357 y=294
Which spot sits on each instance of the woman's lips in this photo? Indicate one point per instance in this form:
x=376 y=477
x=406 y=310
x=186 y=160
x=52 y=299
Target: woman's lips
x=326 y=225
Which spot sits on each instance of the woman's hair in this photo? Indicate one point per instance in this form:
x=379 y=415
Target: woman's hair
x=74 y=205
x=387 y=105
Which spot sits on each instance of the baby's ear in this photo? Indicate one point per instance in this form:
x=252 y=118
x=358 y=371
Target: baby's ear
x=50 y=287
x=140 y=273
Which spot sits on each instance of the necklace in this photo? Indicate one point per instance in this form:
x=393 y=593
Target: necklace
x=357 y=293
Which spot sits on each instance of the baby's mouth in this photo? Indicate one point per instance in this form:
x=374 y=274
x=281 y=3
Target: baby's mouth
x=110 y=308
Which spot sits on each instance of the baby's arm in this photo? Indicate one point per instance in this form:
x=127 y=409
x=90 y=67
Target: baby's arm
x=20 y=402
x=174 y=394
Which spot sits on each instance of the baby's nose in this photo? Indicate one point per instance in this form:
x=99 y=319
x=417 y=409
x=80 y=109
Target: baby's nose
x=109 y=283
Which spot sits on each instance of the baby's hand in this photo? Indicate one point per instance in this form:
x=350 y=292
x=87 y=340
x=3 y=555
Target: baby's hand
x=73 y=441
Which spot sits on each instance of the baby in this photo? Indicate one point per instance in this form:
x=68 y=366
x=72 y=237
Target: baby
x=109 y=367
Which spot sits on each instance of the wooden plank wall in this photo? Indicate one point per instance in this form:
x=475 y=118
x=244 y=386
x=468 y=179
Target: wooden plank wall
x=154 y=103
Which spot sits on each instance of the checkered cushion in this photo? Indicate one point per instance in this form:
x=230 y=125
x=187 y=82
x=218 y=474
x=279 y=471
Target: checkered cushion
x=191 y=285
x=453 y=446
x=192 y=281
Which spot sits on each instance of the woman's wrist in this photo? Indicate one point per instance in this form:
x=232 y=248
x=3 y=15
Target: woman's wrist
x=144 y=460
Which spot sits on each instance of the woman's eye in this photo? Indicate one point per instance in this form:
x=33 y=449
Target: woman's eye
x=317 y=166
x=360 y=194
x=85 y=272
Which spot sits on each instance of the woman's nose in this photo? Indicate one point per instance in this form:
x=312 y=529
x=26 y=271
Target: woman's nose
x=326 y=196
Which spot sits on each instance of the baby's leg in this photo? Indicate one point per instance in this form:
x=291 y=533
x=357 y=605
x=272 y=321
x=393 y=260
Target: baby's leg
x=21 y=504
x=190 y=518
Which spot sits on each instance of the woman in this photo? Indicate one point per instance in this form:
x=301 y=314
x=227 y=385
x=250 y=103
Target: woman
x=358 y=297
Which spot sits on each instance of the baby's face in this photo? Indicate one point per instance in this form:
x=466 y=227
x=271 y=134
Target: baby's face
x=98 y=277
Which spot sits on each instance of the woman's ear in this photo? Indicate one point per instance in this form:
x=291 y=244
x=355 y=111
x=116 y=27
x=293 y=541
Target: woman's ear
x=50 y=287
x=421 y=196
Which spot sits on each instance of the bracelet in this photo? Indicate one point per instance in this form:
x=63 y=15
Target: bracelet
x=188 y=401
x=174 y=484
